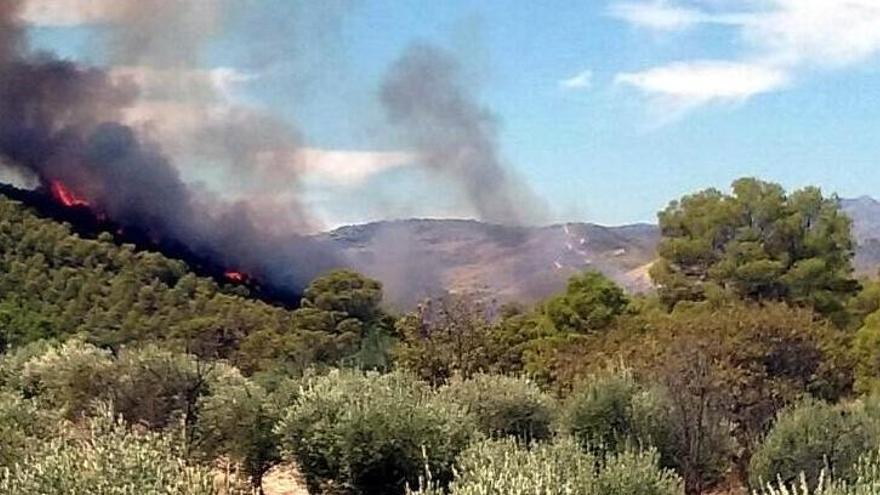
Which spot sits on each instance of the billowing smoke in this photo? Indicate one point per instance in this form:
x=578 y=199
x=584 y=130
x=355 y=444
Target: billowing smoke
x=157 y=143
x=425 y=98
x=65 y=123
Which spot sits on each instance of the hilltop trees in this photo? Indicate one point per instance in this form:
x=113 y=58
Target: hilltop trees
x=340 y=322
x=758 y=243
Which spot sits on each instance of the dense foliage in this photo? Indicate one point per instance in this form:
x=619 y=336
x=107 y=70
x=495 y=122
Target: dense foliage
x=751 y=368
x=757 y=243
x=57 y=284
x=504 y=406
x=371 y=434
x=107 y=459
x=504 y=466
x=812 y=439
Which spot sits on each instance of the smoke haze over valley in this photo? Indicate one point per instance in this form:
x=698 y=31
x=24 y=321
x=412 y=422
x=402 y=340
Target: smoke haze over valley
x=237 y=130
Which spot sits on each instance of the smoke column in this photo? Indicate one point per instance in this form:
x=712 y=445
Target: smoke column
x=424 y=97
x=61 y=121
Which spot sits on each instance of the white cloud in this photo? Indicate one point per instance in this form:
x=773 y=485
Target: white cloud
x=782 y=39
x=349 y=168
x=816 y=32
x=688 y=84
x=581 y=80
x=657 y=15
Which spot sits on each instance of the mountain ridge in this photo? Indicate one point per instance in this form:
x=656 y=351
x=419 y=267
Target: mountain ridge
x=420 y=257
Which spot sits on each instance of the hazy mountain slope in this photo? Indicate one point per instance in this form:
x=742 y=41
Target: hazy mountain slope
x=416 y=258
x=865 y=212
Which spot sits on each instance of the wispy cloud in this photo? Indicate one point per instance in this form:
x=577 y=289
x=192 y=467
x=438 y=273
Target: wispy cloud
x=677 y=88
x=657 y=15
x=781 y=39
x=581 y=80
x=350 y=168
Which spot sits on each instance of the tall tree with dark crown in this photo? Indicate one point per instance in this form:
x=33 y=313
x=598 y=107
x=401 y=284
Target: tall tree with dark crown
x=758 y=243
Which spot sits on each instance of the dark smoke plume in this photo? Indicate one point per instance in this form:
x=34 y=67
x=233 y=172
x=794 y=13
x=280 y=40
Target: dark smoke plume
x=425 y=98
x=61 y=121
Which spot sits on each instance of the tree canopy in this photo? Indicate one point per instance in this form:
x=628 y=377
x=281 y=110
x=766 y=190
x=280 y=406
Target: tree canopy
x=757 y=243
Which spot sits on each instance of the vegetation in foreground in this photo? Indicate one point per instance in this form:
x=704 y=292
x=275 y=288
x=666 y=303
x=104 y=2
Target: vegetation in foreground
x=755 y=367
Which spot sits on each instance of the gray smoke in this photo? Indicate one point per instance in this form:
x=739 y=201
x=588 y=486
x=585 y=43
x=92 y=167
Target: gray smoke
x=425 y=98
x=62 y=121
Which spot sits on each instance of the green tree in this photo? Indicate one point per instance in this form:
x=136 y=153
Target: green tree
x=758 y=243
x=724 y=370
x=341 y=322
x=347 y=292
x=590 y=302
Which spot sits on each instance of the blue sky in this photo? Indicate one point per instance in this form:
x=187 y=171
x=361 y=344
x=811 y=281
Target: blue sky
x=607 y=109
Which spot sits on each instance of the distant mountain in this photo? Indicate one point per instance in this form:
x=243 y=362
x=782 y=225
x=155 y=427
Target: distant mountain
x=417 y=258
x=865 y=213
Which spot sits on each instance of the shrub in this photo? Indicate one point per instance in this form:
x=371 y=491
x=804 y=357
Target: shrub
x=867 y=482
x=504 y=406
x=69 y=377
x=562 y=467
x=866 y=354
x=236 y=421
x=21 y=424
x=602 y=413
x=365 y=433
x=106 y=459
x=13 y=362
x=152 y=386
x=636 y=473
x=810 y=438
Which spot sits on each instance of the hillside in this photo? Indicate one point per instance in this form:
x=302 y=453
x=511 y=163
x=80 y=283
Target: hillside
x=56 y=283
x=416 y=258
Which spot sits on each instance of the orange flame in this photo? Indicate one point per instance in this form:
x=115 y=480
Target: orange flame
x=234 y=276
x=66 y=196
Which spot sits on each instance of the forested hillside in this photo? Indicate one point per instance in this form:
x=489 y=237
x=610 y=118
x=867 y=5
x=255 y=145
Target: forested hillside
x=56 y=284
x=752 y=369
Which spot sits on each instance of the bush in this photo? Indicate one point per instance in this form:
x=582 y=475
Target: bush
x=106 y=459
x=636 y=473
x=867 y=355
x=810 y=438
x=867 y=482
x=13 y=362
x=358 y=433
x=504 y=406
x=21 y=424
x=604 y=412
x=507 y=467
x=236 y=421
x=69 y=378
x=152 y=386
